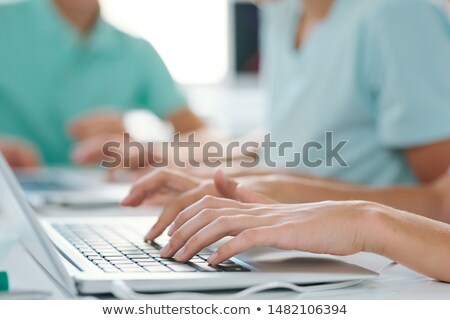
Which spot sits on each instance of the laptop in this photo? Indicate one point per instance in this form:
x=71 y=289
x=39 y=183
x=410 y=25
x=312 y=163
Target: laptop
x=88 y=255
x=69 y=188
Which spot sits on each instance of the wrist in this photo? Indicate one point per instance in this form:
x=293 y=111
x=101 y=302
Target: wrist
x=374 y=228
x=439 y=195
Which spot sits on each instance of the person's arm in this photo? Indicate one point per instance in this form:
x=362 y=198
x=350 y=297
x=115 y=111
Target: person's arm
x=19 y=153
x=186 y=121
x=95 y=123
x=338 y=228
x=411 y=112
x=429 y=162
x=419 y=243
x=428 y=200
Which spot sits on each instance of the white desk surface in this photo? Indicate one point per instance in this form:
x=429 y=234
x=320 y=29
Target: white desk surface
x=396 y=282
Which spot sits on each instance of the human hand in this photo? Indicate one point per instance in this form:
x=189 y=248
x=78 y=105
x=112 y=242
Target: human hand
x=174 y=188
x=99 y=123
x=19 y=153
x=117 y=156
x=91 y=132
x=326 y=228
x=178 y=191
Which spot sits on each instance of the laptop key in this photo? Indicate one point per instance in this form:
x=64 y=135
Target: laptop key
x=148 y=259
x=102 y=247
x=88 y=253
x=109 y=251
x=169 y=262
x=205 y=267
x=137 y=256
x=122 y=263
x=157 y=269
x=122 y=248
x=112 y=255
x=140 y=270
x=182 y=268
x=94 y=257
x=105 y=265
x=130 y=252
x=197 y=259
x=117 y=259
x=228 y=263
x=148 y=263
x=97 y=261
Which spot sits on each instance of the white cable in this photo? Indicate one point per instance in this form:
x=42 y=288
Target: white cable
x=122 y=291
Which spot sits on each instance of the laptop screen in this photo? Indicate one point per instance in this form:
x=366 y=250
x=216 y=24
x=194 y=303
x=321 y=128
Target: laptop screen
x=15 y=206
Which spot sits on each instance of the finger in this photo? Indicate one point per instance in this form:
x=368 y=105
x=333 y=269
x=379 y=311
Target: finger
x=128 y=169
x=188 y=242
x=90 y=151
x=112 y=174
x=154 y=181
x=82 y=127
x=259 y=237
x=225 y=185
x=231 y=189
x=173 y=208
x=247 y=195
x=160 y=199
x=206 y=203
x=188 y=230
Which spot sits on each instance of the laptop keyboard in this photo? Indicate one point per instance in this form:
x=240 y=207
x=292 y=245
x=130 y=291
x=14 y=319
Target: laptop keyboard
x=116 y=249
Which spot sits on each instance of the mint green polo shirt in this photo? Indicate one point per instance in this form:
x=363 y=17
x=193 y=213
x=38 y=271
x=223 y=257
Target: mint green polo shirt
x=50 y=75
x=375 y=73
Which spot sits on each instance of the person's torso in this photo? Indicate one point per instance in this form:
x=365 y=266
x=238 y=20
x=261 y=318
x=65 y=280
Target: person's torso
x=50 y=76
x=322 y=87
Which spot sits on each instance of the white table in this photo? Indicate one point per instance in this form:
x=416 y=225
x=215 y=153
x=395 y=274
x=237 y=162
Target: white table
x=395 y=282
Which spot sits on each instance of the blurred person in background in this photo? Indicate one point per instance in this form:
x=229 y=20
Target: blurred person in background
x=67 y=78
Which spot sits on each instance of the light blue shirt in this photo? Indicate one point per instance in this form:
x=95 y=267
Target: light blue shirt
x=50 y=75
x=376 y=73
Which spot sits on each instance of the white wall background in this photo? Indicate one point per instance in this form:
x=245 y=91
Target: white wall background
x=190 y=35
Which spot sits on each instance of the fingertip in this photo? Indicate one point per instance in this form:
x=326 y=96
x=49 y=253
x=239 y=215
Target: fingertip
x=133 y=199
x=154 y=233
x=149 y=236
x=214 y=259
x=218 y=174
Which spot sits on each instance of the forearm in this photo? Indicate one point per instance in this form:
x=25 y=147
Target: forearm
x=414 y=241
x=424 y=200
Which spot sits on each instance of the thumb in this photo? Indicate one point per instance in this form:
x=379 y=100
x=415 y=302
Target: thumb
x=225 y=185
x=231 y=189
x=247 y=195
